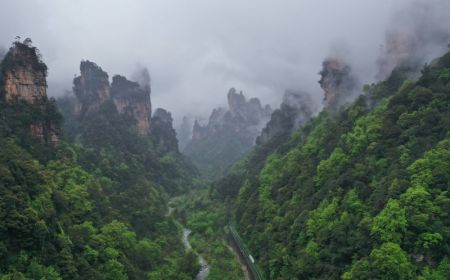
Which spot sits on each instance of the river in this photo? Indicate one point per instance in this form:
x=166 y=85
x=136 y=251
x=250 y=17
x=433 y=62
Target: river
x=204 y=269
x=204 y=266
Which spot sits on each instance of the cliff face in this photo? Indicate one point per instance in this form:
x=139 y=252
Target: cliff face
x=162 y=132
x=23 y=79
x=92 y=89
x=229 y=133
x=295 y=110
x=337 y=81
x=24 y=75
x=130 y=98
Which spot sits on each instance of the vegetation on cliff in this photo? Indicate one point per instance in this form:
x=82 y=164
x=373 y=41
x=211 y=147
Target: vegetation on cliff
x=356 y=193
x=95 y=209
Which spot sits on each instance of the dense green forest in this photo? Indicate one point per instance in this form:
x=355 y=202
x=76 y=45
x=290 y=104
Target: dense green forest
x=94 y=206
x=207 y=218
x=360 y=192
x=357 y=192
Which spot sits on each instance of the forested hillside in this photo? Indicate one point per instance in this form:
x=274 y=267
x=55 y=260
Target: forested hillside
x=359 y=192
x=89 y=204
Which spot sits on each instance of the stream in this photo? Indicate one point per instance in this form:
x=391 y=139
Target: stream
x=204 y=266
x=204 y=269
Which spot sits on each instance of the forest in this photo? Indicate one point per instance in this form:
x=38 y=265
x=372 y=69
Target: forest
x=335 y=164
x=360 y=192
x=90 y=208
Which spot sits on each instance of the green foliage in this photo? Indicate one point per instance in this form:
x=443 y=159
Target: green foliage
x=91 y=210
x=206 y=216
x=390 y=224
x=357 y=194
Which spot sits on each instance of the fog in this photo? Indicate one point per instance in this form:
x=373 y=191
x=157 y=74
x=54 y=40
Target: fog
x=196 y=50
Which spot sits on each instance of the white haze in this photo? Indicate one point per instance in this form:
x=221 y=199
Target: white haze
x=196 y=50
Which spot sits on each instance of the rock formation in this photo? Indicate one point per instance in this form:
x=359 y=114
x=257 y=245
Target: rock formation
x=337 y=81
x=295 y=110
x=162 y=132
x=413 y=40
x=23 y=79
x=92 y=90
x=228 y=134
x=24 y=75
x=130 y=98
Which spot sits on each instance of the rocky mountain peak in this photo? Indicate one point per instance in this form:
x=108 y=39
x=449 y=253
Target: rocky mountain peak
x=235 y=101
x=91 y=88
x=337 y=81
x=24 y=74
x=130 y=98
x=295 y=110
x=162 y=132
x=23 y=78
x=229 y=133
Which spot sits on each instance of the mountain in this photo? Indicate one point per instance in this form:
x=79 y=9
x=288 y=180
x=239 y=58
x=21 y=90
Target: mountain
x=357 y=192
x=228 y=134
x=24 y=87
x=86 y=199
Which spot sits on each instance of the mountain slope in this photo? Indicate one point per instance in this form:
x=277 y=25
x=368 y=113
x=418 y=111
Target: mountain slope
x=84 y=210
x=357 y=193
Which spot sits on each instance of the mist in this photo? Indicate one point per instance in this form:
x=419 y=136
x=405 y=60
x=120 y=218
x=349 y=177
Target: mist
x=196 y=50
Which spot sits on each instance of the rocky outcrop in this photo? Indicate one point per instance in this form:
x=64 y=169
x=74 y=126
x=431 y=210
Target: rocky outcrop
x=162 y=132
x=229 y=133
x=413 y=40
x=338 y=82
x=24 y=75
x=91 y=88
x=131 y=99
x=295 y=110
x=23 y=79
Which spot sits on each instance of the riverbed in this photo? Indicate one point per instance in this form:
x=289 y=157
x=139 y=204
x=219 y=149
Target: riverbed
x=204 y=266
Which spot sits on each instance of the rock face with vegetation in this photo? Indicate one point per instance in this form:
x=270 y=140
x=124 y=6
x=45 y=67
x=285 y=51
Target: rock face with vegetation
x=92 y=90
x=133 y=99
x=338 y=82
x=228 y=134
x=94 y=209
x=23 y=83
x=359 y=192
x=295 y=110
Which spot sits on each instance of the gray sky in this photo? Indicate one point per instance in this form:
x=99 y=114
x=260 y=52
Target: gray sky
x=196 y=50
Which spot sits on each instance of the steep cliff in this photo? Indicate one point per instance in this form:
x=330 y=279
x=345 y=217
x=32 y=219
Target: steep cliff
x=91 y=88
x=130 y=98
x=338 y=82
x=23 y=84
x=295 y=110
x=356 y=193
x=228 y=134
x=162 y=132
x=95 y=95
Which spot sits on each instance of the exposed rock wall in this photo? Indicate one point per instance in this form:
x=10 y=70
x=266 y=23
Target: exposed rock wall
x=338 y=82
x=24 y=75
x=130 y=98
x=23 y=78
x=229 y=133
x=295 y=110
x=92 y=89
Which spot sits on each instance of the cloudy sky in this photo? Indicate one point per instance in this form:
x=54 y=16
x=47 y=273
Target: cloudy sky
x=196 y=50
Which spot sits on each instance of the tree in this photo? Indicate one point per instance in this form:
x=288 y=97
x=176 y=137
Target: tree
x=390 y=224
